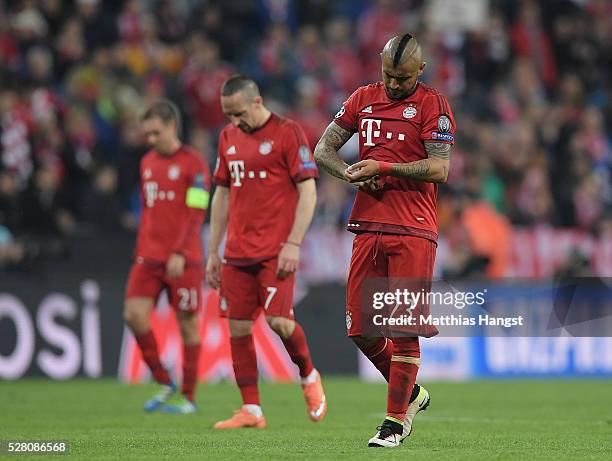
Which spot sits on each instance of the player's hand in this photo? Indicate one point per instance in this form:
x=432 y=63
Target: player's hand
x=175 y=265
x=373 y=184
x=288 y=260
x=213 y=271
x=362 y=171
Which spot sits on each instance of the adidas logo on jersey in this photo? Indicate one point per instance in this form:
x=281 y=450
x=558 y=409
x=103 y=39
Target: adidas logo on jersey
x=367 y=110
x=231 y=150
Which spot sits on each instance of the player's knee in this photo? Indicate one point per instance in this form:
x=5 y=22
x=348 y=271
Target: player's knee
x=136 y=317
x=408 y=346
x=240 y=327
x=281 y=326
x=131 y=316
x=136 y=321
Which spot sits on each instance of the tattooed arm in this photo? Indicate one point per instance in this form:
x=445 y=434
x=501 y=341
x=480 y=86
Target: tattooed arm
x=326 y=152
x=434 y=168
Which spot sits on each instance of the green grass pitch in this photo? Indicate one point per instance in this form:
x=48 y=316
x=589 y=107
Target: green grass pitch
x=488 y=420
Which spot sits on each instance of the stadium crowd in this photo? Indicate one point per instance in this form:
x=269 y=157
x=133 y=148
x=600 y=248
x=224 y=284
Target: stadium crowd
x=530 y=87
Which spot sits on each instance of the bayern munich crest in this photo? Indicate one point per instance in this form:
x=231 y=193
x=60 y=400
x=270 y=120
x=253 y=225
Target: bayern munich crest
x=174 y=172
x=265 y=147
x=409 y=112
x=444 y=124
x=349 y=321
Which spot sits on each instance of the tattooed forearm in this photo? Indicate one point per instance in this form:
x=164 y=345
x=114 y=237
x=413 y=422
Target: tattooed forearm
x=432 y=169
x=438 y=149
x=413 y=170
x=326 y=152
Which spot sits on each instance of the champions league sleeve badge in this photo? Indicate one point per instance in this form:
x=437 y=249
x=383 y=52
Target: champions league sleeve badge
x=304 y=153
x=444 y=124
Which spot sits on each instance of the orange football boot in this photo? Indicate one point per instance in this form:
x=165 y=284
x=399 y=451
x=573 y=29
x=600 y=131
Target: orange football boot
x=242 y=418
x=316 y=405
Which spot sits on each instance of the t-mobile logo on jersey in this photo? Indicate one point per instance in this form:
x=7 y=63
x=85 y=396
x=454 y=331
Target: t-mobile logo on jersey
x=371 y=128
x=152 y=193
x=237 y=172
x=150 y=190
x=369 y=132
x=236 y=168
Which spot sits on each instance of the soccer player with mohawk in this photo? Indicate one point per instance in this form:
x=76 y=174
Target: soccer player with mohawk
x=406 y=131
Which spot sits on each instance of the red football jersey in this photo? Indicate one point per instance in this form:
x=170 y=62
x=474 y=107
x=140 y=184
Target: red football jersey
x=174 y=193
x=261 y=170
x=395 y=131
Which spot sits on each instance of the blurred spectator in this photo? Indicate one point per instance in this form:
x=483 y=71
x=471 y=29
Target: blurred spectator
x=54 y=13
x=202 y=141
x=9 y=46
x=70 y=46
x=10 y=207
x=129 y=21
x=102 y=201
x=488 y=52
x=375 y=26
x=488 y=234
x=45 y=209
x=346 y=69
x=277 y=65
x=131 y=152
x=97 y=20
x=12 y=252
x=172 y=26
x=15 y=129
x=201 y=83
x=28 y=23
x=530 y=40
x=307 y=111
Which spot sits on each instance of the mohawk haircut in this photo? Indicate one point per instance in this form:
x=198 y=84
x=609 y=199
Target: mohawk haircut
x=165 y=110
x=240 y=82
x=397 y=57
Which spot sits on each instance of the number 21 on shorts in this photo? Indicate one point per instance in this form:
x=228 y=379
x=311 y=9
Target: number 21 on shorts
x=188 y=298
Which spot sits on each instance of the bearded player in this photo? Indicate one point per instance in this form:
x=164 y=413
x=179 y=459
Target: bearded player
x=405 y=131
x=175 y=181
x=265 y=197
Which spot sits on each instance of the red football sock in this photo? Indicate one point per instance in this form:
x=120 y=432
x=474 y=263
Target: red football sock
x=191 y=357
x=402 y=376
x=245 y=368
x=379 y=353
x=297 y=347
x=148 y=347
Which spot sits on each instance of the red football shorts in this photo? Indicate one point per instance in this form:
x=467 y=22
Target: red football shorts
x=379 y=255
x=184 y=293
x=246 y=291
